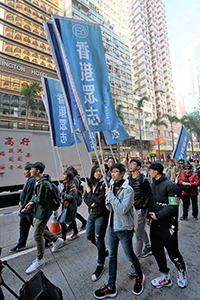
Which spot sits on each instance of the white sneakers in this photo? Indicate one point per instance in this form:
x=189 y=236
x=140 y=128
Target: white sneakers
x=36 y=265
x=181 y=279
x=163 y=280
x=57 y=245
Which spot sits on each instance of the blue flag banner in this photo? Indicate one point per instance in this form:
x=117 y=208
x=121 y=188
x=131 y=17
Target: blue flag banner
x=88 y=141
x=84 y=57
x=62 y=74
x=181 y=144
x=115 y=136
x=58 y=115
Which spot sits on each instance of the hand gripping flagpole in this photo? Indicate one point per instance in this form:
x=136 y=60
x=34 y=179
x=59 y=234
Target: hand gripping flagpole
x=73 y=85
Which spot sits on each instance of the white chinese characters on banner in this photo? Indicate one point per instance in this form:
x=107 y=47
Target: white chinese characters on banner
x=88 y=89
x=62 y=117
x=14 y=153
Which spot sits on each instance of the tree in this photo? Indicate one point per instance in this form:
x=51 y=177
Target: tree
x=172 y=119
x=139 y=107
x=158 y=122
x=30 y=93
x=120 y=115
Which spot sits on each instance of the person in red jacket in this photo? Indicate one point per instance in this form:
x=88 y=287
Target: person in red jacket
x=189 y=181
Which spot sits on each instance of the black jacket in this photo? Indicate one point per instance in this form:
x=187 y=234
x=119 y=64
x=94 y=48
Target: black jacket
x=142 y=191
x=97 y=197
x=70 y=195
x=26 y=194
x=162 y=189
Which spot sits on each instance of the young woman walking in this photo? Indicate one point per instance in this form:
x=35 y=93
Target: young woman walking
x=98 y=217
x=68 y=195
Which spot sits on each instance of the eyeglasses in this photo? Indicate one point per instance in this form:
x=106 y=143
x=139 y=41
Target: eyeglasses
x=113 y=172
x=180 y=163
x=187 y=168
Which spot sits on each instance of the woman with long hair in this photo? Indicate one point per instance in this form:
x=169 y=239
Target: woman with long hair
x=69 y=195
x=98 y=217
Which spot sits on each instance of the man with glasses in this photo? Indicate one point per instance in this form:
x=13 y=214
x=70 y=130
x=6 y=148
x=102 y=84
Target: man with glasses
x=119 y=201
x=189 y=182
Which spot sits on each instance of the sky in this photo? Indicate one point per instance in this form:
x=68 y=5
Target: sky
x=183 y=21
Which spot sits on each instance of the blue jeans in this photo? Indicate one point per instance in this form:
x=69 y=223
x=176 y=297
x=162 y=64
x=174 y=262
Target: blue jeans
x=95 y=232
x=24 y=226
x=125 y=237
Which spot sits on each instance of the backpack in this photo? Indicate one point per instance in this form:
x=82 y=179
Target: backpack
x=55 y=197
x=80 y=195
x=187 y=188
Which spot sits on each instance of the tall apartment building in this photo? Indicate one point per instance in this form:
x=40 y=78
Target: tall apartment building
x=150 y=57
x=191 y=59
x=24 y=57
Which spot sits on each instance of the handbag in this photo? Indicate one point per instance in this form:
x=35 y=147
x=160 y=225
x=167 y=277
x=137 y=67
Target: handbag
x=63 y=216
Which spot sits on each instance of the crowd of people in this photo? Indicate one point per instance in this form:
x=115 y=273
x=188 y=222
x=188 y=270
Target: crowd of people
x=124 y=207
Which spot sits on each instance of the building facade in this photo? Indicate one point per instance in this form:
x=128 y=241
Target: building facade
x=24 y=57
x=136 y=48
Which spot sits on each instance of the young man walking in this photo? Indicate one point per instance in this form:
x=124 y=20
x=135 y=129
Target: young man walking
x=41 y=204
x=142 y=193
x=163 y=218
x=119 y=201
x=26 y=218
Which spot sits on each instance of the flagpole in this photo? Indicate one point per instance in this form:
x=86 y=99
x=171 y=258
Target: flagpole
x=59 y=158
x=98 y=134
x=73 y=86
x=53 y=149
x=110 y=148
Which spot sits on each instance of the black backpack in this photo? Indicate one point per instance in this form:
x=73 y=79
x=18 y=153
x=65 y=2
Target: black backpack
x=187 y=188
x=80 y=195
x=55 y=197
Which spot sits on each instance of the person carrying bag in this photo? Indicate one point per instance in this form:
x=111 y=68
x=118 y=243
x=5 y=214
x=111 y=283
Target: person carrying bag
x=69 y=204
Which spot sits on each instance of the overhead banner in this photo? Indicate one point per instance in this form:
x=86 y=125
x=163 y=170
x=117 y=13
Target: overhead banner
x=84 y=57
x=115 y=136
x=181 y=144
x=62 y=135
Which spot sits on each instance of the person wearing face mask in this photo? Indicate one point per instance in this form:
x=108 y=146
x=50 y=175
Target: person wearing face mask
x=98 y=217
x=189 y=182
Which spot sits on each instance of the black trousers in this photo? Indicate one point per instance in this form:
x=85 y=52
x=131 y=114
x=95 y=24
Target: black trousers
x=160 y=239
x=186 y=204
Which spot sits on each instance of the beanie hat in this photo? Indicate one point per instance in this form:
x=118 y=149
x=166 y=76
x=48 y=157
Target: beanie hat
x=156 y=165
x=188 y=166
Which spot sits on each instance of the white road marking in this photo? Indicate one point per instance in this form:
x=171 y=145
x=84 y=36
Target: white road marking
x=20 y=253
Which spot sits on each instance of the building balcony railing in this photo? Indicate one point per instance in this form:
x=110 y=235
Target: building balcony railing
x=161 y=89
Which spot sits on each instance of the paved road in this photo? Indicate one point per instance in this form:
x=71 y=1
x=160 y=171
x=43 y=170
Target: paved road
x=72 y=266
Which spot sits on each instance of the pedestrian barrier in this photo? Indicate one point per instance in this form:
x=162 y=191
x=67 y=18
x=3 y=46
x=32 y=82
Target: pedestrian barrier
x=55 y=225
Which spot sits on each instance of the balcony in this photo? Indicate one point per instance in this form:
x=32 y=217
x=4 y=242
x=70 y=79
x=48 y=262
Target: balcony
x=161 y=89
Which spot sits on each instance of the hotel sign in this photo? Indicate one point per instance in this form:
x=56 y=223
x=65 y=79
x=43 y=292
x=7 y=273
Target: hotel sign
x=21 y=69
